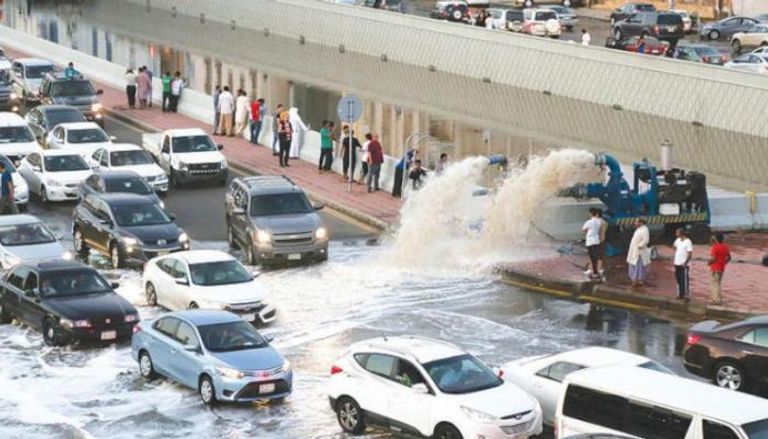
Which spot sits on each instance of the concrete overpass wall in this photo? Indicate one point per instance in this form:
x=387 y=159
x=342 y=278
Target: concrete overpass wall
x=687 y=92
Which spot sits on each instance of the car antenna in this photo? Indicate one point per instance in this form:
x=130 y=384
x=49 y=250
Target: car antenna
x=384 y=336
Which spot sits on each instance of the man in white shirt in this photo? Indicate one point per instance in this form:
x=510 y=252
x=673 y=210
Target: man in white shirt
x=586 y=38
x=592 y=241
x=683 y=254
x=226 y=108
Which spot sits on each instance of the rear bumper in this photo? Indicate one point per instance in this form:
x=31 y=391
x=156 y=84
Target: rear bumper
x=122 y=333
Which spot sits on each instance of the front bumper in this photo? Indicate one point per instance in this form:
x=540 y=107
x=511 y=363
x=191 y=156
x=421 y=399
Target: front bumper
x=254 y=388
x=121 y=332
x=62 y=193
x=138 y=254
x=192 y=176
x=505 y=429
x=313 y=251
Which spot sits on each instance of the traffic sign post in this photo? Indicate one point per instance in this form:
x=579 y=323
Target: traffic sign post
x=349 y=109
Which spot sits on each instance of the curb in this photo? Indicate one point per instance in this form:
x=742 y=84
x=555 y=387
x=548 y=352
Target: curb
x=369 y=220
x=615 y=297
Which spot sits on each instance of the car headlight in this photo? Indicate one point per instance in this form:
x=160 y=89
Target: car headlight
x=67 y=256
x=224 y=164
x=71 y=324
x=478 y=416
x=183 y=166
x=230 y=373
x=95 y=107
x=263 y=237
x=127 y=240
x=13 y=96
x=286 y=365
x=53 y=183
x=161 y=177
x=35 y=92
x=183 y=237
x=131 y=318
x=321 y=233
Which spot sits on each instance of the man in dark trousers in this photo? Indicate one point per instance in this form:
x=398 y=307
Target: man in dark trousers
x=375 y=160
x=416 y=175
x=348 y=155
x=683 y=253
x=8 y=201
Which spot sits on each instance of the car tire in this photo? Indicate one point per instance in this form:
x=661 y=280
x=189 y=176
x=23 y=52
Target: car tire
x=250 y=254
x=714 y=35
x=206 y=391
x=51 y=335
x=193 y=305
x=617 y=34
x=446 y=431
x=150 y=293
x=613 y=22
x=78 y=241
x=350 y=416
x=174 y=180
x=4 y=316
x=146 y=367
x=231 y=237
x=116 y=257
x=736 y=45
x=43 y=195
x=729 y=375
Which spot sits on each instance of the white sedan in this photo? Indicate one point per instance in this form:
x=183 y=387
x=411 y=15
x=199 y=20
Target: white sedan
x=20 y=188
x=756 y=36
x=542 y=376
x=54 y=175
x=127 y=157
x=750 y=62
x=24 y=238
x=81 y=137
x=206 y=279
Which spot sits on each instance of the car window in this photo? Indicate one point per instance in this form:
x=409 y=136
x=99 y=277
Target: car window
x=755 y=429
x=92 y=182
x=72 y=88
x=186 y=335
x=292 y=203
x=16 y=134
x=65 y=163
x=241 y=200
x=131 y=158
x=17 y=278
x=382 y=365
x=30 y=284
x=130 y=184
x=65 y=115
x=167 y=326
x=715 y=430
x=89 y=135
x=407 y=374
x=670 y=19
x=644 y=420
x=558 y=371
x=757 y=336
x=34 y=159
x=104 y=158
x=166 y=265
x=194 y=143
x=102 y=211
x=179 y=270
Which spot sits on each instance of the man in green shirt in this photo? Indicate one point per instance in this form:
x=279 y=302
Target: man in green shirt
x=167 y=78
x=326 y=146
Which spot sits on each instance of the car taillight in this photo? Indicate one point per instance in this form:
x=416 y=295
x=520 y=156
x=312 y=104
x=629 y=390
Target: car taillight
x=136 y=329
x=705 y=59
x=657 y=29
x=336 y=369
x=501 y=373
x=693 y=339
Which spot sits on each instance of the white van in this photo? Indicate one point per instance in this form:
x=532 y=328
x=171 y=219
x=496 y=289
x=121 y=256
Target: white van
x=646 y=404
x=16 y=138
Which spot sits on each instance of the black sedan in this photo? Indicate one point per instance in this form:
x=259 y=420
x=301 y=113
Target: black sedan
x=129 y=228
x=43 y=118
x=733 y=356
x=67 y=301
x=126 y=182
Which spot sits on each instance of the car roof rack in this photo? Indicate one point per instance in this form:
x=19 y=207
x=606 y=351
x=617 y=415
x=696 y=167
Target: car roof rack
x=262 y=181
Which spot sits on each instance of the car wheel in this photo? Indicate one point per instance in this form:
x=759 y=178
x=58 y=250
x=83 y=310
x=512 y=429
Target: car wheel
x=174 y=180
x=729 y=375
x=207 y=391
x=714 y=35
x=4 y=316
x=617 y=34
x=250 y=255
x=193 y=305
x=81 y=248
x=51 y=334
x=231 y=237
x=736 y=44
x=146 y=368
x=116 y=256
x=613 y=22
x=43 y=195
x=350 y=416
x=151 y=294
x=457 y=14
x=446 y=431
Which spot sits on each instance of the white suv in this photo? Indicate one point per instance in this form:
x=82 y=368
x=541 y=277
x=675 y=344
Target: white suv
x=428 y=388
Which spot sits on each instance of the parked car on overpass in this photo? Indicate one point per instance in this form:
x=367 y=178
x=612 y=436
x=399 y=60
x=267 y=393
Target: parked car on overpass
x=725 y=28
x=665 y=26
x=702 y=53
x=506 y=19
x=750 y=62
x=628 y=9
x=755 y=36
x=632 y=44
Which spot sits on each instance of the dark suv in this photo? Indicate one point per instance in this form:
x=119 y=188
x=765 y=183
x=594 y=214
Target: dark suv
x=67 y=301
x=129 y=228
x=271 y=219
x=76 y=92
x=666 y=26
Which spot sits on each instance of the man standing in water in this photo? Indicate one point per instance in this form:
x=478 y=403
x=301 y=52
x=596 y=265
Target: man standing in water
x=591 y=228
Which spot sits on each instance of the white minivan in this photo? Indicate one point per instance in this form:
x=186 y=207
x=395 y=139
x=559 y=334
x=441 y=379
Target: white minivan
x=646 y=404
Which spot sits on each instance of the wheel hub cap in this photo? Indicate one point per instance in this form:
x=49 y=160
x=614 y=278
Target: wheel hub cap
x=728 y=376
x=348 y=416
x=205 y=390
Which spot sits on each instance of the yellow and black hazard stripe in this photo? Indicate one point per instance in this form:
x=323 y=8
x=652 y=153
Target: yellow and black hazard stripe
x=664 y=219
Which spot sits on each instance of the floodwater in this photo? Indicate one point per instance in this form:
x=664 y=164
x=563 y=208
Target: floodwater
x=464 y=117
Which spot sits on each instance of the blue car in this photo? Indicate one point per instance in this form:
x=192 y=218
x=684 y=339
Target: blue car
x=215 y=352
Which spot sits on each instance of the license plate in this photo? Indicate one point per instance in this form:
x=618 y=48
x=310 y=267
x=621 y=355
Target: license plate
x=249 y=317
x=294 y=257
x=163 y=252
x=671 y=29
x=267 y=388
x=109 y=335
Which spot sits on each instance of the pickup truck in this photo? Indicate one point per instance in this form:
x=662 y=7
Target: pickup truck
x=187 y=155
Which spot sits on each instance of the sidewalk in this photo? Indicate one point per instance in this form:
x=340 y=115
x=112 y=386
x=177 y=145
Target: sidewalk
x=378 y=209
x=745 y=291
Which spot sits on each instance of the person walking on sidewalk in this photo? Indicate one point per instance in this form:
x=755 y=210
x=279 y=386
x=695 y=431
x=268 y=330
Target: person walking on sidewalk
x=591 y=228
x=177 y=86
x=257 y=115
x=683 y=253
x=216 y=112
x=143 y=85
x=284 y=136
x=348 y=155
x=226 y=109
x=719 y=257
x=275 y=137
x=375 y=160
x=242 y=106
x=130 y=87
x=151 y=75
x=639 y=254
x=326 y=147
x=8 y=200
x=364 y=156
x=586 y=38
x=167 y=78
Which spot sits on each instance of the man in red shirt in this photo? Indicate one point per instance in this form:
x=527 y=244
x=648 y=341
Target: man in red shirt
x=257 y=113
x=375 y=159
x=719 y=257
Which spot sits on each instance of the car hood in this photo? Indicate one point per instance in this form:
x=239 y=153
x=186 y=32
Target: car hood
x=75 y=101
x=148 y=170
x=299 y=223
x=69 y=177
x=36 y=252
x=91 y=305
x=151 y=234
x=504 y=400
x=19 y=183
x=234 y=293
x=251 y=359
x=20 y=148
x=199 y=157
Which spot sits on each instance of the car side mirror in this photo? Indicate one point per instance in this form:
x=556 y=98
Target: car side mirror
x=420 y=388
x=106 y=222
x=269 y=339
x=181 y=281
x=220 y=146
x=113 y=138
x=318 y=206
x=114 y=285
x=99 y=92
x=255 y=273
x=172 y=216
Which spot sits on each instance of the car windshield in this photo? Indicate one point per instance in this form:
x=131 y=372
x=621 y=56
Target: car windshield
x=133 y=185
x=462 y=374
x=90 y=135
x=143 y=214
x=645 y=8
x=68 y=115
x=25 y=234
x=199 y=143
x=72 y=283
x=231 y=336
x=72 y=88
x=545 y=16
x=65 y=163
x=279 y=204
x=36 y=72
x=219 y=273
x=706 y=51
x=130 y=158
x=16 y=134
x=652 y=365
x=757 y=429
